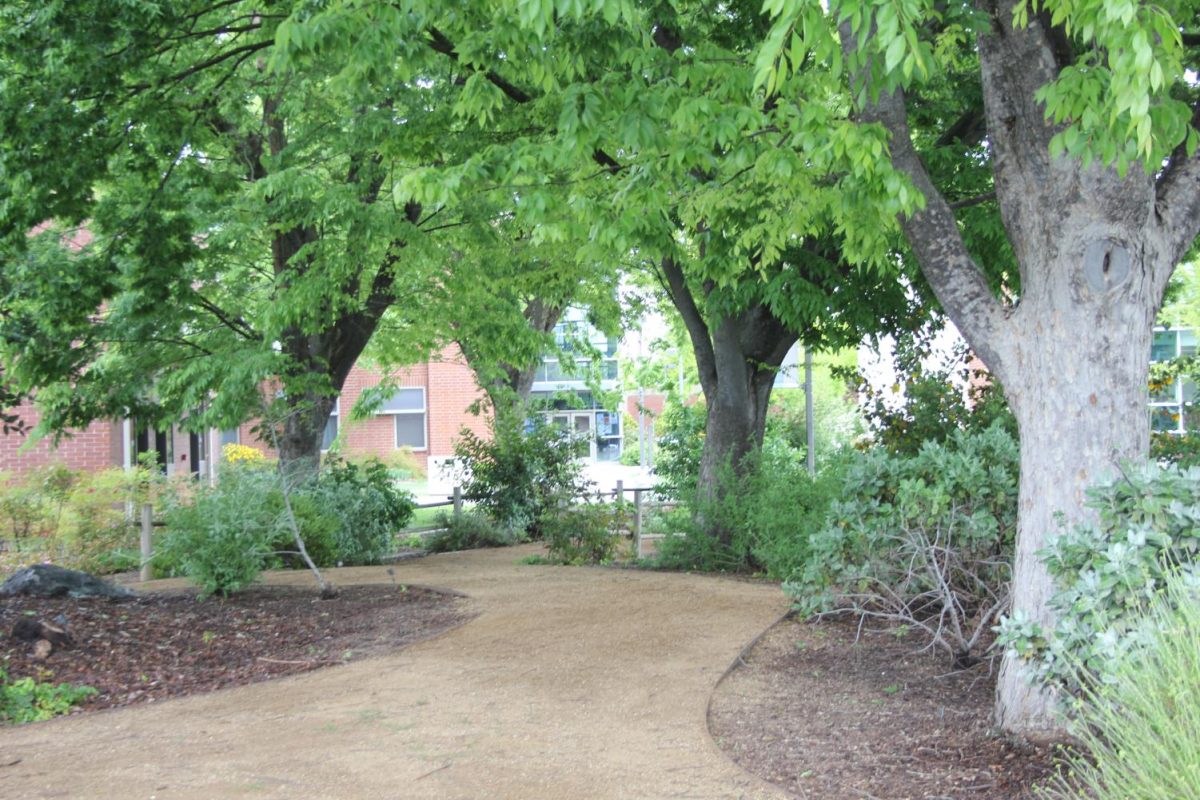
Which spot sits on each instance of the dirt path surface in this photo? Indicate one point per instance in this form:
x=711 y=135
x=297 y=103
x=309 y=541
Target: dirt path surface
x=572 y=683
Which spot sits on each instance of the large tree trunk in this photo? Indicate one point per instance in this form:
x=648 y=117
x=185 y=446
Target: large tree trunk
x=736 y=412
x=737 y=357
x=1078 y=389
x=1095 y=251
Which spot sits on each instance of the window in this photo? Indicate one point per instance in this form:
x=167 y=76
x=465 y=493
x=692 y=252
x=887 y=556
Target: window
x=407 y=407
x=331 y=427
x=231 y=436
x=1173 y=402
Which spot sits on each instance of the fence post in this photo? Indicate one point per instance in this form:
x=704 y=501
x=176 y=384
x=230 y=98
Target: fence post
x=147 y=528
x=457 y=501
x=619 y=494
x=637 y=522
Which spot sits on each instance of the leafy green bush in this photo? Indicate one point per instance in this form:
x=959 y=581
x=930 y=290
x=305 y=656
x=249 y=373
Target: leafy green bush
x=27 y=700
x=1173 y=448
x=1108 y=573
x=74 y=519
x=922 y=540
x=514 y=476
x=368 y=507
x=1141 y=728
x=468 y=531
x=584 y=533
x=316 y=519
x=933 y=404
x=222 y=539
x=678 y=450
x=773 y=509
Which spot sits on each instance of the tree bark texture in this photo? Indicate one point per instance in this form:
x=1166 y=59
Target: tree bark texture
x=1094 y=251
x=738 y=357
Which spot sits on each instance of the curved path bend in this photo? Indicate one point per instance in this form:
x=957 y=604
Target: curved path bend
x=571 y=683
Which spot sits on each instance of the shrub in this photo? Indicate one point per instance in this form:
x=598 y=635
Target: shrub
x=678 y=450
x=468 y=531
x=367 y=506
x=75 y=519
x=1173 y=448
x=936 y=400
x=773 y=510
x=515 y=475
x=242 y=454
x=925 y=540
x=1141 y=728
x=584 y=533
x=1109 y=572
x=27 y=700
x=223 y=538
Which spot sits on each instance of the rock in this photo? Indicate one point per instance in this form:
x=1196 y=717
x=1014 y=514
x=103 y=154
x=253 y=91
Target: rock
x=42 y=650
x=47 y=580
x=29 y=630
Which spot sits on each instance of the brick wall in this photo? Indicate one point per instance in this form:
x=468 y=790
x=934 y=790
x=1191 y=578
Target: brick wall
x=96 y=447
x=450 y=390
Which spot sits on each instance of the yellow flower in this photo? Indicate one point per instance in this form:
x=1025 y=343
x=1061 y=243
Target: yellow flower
x=241 y=454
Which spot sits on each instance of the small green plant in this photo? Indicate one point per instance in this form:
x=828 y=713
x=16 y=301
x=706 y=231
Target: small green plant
x=1140 y=727
x=27 y=700
x=584 y=533
x=468 y=531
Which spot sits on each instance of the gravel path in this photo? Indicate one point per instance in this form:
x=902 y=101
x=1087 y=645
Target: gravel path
x=572 y=683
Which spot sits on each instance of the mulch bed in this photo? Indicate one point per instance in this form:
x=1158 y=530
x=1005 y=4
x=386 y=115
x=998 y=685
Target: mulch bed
x=822 y=716
x=169 y=644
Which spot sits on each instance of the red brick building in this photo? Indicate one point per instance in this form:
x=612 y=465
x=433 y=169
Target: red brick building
x=430 y=406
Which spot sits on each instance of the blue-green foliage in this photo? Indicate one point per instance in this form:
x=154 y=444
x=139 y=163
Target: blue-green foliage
x=1141 y=727
x=223 y=536
x=923 y=536
x=1108 y=572
x=367 y=506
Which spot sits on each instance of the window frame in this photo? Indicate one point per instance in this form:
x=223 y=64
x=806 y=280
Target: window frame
x=423 y=412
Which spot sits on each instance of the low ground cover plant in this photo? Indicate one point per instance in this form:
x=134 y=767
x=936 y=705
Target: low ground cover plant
x=29 y=700
x=468 y=531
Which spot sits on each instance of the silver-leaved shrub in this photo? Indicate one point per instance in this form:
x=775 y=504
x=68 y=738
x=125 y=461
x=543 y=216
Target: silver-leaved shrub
x=1108 y=572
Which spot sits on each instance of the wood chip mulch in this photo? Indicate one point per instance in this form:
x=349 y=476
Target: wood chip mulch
x=823 y=716
x=168 y=644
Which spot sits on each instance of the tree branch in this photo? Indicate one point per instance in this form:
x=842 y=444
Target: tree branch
x=1177 y=201
x=933 y=233
x=681 y=297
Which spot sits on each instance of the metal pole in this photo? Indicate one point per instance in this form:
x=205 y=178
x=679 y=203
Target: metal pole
x=457 y=501
x=808 y=412
x=619 y=494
